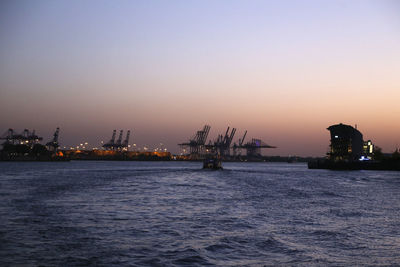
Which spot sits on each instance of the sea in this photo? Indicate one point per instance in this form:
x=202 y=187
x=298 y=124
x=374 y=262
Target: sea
x=130 y=213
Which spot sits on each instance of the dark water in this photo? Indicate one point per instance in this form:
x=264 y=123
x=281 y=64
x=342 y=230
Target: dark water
x=174 y=213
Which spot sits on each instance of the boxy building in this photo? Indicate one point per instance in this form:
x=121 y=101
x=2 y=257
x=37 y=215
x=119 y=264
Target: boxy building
x=346 y=143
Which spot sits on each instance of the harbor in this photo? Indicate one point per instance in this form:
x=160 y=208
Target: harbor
x=199 y=133
x=349 y=151
x=27 y=147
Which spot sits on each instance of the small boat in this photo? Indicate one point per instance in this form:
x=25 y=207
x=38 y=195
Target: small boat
x=212 y=163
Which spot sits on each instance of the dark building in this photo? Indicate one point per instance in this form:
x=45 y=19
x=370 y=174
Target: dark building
x=346 y=143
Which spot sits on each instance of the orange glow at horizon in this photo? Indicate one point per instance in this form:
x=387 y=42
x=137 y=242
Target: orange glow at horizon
x=283 y=71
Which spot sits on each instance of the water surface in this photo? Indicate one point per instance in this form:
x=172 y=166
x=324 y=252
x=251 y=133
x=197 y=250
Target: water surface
x=106 y=213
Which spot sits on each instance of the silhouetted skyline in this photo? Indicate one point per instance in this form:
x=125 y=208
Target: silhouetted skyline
x=282 y=70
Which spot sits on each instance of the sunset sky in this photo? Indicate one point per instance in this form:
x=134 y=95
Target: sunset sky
x=283 y=70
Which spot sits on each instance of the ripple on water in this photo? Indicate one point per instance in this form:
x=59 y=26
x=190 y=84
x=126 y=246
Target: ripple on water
x=175 y=214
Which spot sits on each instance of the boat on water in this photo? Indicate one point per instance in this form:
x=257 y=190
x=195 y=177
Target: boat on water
x=212 y=163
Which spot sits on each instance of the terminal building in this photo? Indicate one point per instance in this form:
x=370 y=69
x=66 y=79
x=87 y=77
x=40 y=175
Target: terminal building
x=347 y=144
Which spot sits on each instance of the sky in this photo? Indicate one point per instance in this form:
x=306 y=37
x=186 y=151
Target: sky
x=282 y=70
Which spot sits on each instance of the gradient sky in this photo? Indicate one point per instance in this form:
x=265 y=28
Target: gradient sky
x=283 y=70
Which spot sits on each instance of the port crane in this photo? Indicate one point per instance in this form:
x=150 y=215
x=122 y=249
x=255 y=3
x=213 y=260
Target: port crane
x=253 y=147
x=221 y=146
x=238 y=146
x=126 y=141
x=25 y=138
x=117 y=145
x=196 y=143
x=110 y=144
x=53 y=144
x=119 y=140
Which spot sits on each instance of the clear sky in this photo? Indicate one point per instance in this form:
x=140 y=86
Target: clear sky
x=283 y=70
